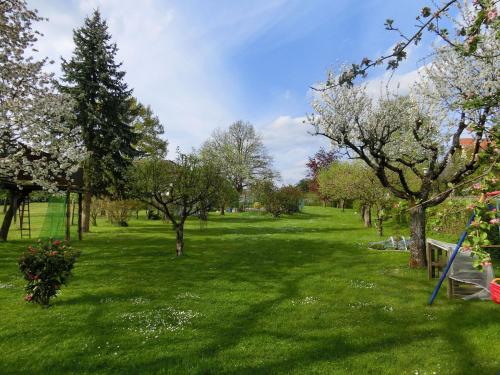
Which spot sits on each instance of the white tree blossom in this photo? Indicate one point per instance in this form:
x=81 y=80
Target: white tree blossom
x=37 y=139
x=411 y=142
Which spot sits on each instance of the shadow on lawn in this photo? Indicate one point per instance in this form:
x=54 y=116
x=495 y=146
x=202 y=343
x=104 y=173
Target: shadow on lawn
x=250 y=217
x=247 y=230
x=254 y=261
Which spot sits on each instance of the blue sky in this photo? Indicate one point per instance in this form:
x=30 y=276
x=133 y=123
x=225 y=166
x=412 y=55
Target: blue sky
x=205 y=64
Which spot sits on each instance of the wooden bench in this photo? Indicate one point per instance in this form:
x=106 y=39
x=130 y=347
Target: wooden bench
x=438 y=253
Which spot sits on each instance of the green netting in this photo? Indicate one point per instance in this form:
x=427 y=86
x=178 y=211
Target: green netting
x=53 y=225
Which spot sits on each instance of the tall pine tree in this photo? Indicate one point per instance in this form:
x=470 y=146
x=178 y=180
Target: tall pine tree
x=95 y=81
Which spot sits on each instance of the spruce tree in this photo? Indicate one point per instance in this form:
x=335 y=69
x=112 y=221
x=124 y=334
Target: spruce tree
x=96 y=82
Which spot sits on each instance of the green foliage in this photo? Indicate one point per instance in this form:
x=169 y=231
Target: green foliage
x=400 y=212
x=278 y=201
x=189 y=186
x=484 y=230
x=46 y=267
x=149 y=129
x=304 y=185
x=290 y=198
x=312 y=199
x=450 y=217
x=347 y=181
x=103 y=102
x=119 y=211
x=337 y=182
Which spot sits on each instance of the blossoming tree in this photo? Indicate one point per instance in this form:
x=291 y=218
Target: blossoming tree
x=36 y=142
x=413 y=142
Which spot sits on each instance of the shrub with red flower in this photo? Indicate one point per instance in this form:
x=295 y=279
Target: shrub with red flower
x=484 y=231
x=46 y=267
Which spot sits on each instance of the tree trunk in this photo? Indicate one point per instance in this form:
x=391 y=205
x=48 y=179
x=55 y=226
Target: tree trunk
x=80 y=208
x=222 y=209
x=362 y=209
x=67 y=235
x=14 y=196
x=179 y=239
x=417 y=243
x=367 y=216
x=86 y=211
x=73 y=212
x=380 y=224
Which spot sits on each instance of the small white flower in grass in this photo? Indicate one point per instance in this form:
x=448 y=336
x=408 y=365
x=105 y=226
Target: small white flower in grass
x=430 y=317
x=107 y=300
x=360 y=305
x=362 y=284
x=139 y=301
x=187 y=295
x=305 y=301
x=388 y=308
x=154 y=322
x=6 y=286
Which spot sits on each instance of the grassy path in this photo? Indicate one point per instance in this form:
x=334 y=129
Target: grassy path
x=253 y=295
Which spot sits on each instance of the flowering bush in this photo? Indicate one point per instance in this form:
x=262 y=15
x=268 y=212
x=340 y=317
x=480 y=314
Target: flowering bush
x=46 y=267
x=483 y=231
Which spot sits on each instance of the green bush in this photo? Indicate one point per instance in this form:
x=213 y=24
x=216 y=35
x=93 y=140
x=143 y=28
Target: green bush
x=449 y=217
x=46 y=267
x=119 y=211
x=290 y=198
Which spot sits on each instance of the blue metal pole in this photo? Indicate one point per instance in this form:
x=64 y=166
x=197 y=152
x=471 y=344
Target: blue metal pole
x=450 y=262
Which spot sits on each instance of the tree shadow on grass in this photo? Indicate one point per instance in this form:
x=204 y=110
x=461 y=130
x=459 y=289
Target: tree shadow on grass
x=248 y=217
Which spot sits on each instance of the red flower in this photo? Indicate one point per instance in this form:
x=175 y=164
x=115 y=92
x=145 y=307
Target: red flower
x=492 y=14
x=56 y=243
x=28 y=298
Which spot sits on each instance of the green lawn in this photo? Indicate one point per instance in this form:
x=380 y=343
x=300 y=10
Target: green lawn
x=253 y=295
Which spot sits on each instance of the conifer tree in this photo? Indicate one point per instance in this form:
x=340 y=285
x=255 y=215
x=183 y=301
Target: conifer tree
x=95 y=81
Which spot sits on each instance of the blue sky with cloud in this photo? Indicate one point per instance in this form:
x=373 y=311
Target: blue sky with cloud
x=204 y=64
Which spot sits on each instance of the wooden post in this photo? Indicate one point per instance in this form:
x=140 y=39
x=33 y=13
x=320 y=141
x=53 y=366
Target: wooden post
x=80 y=210
x=67 y=237
x=428 y=249
x=72 y=211
x=449 y=289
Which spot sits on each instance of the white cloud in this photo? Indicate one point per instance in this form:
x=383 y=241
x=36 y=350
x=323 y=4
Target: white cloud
x=290 y=143
x=173 y=62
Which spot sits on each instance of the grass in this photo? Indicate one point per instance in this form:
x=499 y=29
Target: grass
x=253 y=295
